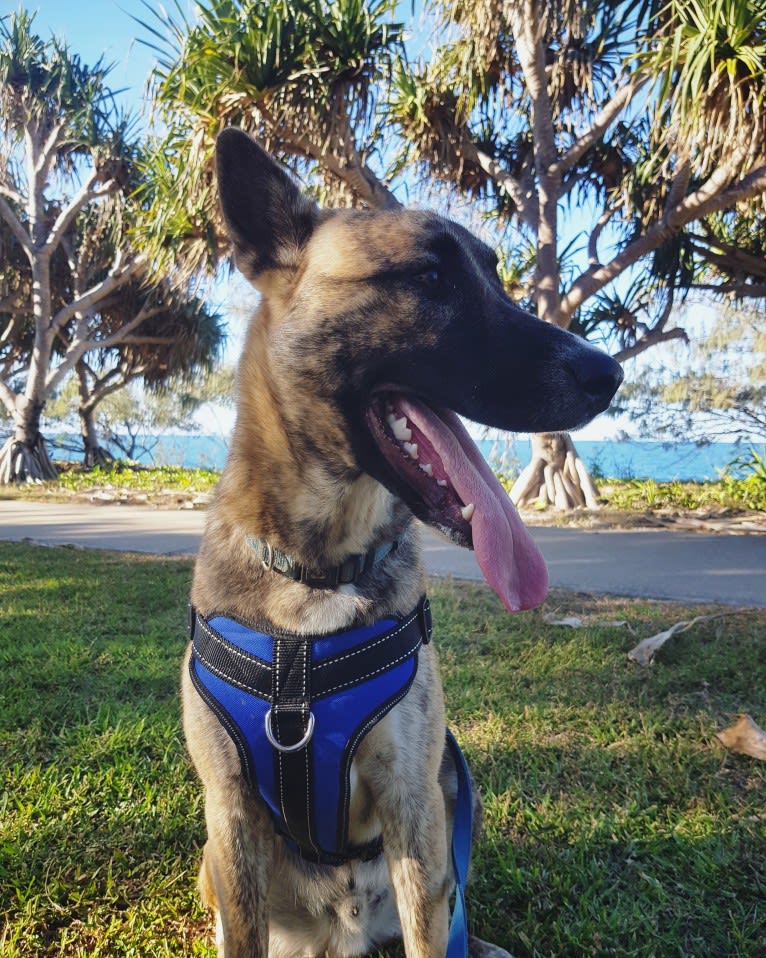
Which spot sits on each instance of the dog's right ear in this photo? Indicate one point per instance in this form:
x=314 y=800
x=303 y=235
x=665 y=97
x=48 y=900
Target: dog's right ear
x=268 y=219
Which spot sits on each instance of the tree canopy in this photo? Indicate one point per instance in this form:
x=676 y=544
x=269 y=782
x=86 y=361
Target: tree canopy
x=714 y=389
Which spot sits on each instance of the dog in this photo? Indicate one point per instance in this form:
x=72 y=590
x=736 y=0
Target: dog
x=375 y=332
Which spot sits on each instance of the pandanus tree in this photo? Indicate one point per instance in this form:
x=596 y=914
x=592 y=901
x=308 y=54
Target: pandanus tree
x=74 y=283
x=615 y=146
x=177 y=346
x=306 y=78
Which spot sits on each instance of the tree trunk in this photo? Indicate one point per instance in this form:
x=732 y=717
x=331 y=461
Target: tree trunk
x=94 y=454
x=556 y=476
x=24 y=457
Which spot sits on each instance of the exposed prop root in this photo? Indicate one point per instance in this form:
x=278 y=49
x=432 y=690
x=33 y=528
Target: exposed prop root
x=556 y=476
x=22 y=463
x=97 y=456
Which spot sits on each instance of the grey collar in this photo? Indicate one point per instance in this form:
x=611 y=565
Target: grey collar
x=346 y=573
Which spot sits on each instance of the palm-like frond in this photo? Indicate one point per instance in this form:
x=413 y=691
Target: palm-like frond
x=709 y=58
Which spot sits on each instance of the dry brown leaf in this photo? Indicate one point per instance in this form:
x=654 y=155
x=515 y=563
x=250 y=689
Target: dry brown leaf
x=745 y=737
x=644 y=652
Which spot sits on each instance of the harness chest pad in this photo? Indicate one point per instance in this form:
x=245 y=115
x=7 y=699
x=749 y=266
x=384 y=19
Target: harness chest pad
x=297 y=707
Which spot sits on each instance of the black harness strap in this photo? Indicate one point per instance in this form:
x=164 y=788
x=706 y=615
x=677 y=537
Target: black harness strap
x=289 y=720
x=253 y=674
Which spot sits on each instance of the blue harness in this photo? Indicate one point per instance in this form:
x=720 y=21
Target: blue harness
x=297 y=707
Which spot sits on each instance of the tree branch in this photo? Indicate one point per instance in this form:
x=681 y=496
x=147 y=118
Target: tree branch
x=79 y=201
x=116 y=277
x=651 y=339
x=8 y=398
x=709 y=198
x=600 y=125
x=13 y=195
x=595 y=235
x=14 y=224
x=525 y=24
x=350 y=169
x=506 y=181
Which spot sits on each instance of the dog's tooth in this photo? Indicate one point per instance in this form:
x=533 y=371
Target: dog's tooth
x=400 y=429
x=468 y=511
x=411 y=448
x=427 y=468
x=442 y=482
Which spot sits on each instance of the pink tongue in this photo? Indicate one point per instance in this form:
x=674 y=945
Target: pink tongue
x=507 y=555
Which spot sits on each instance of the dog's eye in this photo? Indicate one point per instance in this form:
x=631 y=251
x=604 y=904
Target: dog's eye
x=430 y=277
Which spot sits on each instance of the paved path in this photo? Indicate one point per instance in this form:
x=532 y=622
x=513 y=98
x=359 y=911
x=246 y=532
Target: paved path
x=660 y=565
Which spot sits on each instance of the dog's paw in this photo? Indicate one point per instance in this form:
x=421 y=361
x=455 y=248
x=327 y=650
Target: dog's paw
x=483 y=949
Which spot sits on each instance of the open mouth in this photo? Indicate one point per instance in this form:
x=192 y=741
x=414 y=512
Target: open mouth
x=447 y=483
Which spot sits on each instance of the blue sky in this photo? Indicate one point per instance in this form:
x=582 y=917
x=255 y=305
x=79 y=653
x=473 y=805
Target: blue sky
x=93 y=28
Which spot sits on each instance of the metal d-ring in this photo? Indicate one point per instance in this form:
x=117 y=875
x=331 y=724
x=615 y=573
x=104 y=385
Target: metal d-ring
x=289 y=748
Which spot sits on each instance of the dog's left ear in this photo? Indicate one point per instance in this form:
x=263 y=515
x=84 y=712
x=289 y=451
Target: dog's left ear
x=268 y=219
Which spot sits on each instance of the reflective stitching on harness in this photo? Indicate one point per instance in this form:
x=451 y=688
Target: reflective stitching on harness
x=370 y=723
x=220 y=640
x=369 y=675
x=317 y=830
x=365 y=648
x=224 y=676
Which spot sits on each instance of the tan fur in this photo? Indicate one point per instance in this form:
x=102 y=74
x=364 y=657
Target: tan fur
x=293 y=479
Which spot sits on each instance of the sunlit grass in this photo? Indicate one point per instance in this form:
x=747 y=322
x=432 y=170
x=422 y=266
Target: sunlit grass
x=615 y=823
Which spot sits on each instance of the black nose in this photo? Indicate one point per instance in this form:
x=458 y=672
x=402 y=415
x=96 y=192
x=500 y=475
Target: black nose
x=597 y=374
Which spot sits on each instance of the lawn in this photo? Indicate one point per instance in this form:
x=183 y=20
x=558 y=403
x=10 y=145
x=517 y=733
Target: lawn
x=615 y=822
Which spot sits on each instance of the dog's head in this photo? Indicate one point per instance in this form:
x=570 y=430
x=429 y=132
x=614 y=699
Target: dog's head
x=396 y=322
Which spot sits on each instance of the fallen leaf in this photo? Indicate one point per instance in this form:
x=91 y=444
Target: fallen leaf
x=745 y=737
x=644 y=652
x=573 y=622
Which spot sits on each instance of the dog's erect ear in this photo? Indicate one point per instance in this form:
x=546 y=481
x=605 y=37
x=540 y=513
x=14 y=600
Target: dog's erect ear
x=267 y=217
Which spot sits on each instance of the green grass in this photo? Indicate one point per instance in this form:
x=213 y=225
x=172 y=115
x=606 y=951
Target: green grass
x=615 y=824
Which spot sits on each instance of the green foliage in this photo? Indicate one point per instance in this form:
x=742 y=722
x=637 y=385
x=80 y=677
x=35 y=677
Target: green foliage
x=50 y=84
x=614 y=824
x=129 y=476
x=714 y=388
x=301 y=76
x=731 y=491
x=710 y=60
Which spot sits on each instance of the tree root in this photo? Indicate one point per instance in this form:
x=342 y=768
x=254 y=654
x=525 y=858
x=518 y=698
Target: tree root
x=97 y=456
x=22 y=463
x=556 y=476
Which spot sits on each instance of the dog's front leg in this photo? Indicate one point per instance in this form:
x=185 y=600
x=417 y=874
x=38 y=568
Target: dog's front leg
x=416 y=852
x=236 y=871
x=405 y=755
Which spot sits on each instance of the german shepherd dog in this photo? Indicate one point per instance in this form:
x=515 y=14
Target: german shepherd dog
x=374 y=332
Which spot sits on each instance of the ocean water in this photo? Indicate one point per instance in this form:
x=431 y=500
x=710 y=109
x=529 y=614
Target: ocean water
x=623 y=459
